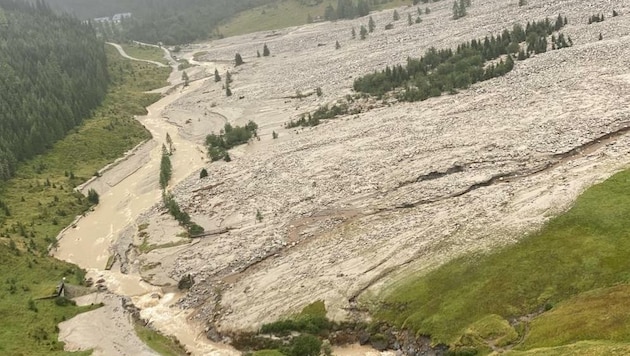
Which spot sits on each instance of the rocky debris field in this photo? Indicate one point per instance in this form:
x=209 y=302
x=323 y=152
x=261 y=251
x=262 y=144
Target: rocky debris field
x=341 y=210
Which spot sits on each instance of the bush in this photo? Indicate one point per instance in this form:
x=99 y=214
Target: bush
x=303 y=345
x=203 y=173
x=194 y=229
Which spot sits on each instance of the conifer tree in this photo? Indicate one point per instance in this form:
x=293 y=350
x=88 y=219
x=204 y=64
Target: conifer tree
x=266 y=51
x=409 y=19
x=217 y=77
x=238 y=60
x=371 y=26
x=363 y=32
x=354 y=33
x=169 y=142
x=337 y=45
x=185 y=78
x=396 y=15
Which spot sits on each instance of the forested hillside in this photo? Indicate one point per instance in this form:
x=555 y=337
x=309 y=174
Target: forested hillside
x=53 y=73
x=167 y=21
x=181 y=21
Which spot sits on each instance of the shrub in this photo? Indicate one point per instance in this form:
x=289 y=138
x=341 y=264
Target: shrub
x=203 y=173
x=303 y=345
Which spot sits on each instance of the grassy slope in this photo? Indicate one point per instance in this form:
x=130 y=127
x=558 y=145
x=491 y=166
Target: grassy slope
x=584 y=249
x=161 y=344
x=38 y=211
x=145 y=52
x=282 y=14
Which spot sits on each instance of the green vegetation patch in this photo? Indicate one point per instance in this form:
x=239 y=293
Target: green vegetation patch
x=602 y=314
x=29 y=325
x=312 y=319
x=230 y=136
x=267 y=353
x=482 y=335
x=445 y=70
x=163 y=345
x=582 y=348
x=281 y=14
x=584 y=249
x=149 y=53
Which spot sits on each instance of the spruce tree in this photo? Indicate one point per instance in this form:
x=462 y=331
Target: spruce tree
x=354 y=33
x=169 y=142
x=396 y=15
x=409 y=19
x=337 y=45
x=217 y=77
x=363 y=32
x=266 y=51
x=258 y=53
x=238 y=60
x=371 y=26
x=185 y=78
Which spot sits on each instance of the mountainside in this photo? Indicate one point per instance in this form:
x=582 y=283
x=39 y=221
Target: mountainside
x=53 y=73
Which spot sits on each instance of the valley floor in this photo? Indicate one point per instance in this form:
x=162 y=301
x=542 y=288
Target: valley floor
x=354 y=205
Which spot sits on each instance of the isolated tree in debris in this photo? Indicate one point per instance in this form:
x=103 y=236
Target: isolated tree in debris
x=354 y=33
x=238 y=60
x=396 y=15
x=185 y=78
x=169 y=142
x=337 y=45
x=266 y=52
x=409 y=19
x=258 y=53
x=371 y=24
x=363 y=32
x=217 y=77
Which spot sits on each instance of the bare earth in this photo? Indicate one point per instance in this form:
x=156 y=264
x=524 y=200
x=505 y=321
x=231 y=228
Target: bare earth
x=353 y=205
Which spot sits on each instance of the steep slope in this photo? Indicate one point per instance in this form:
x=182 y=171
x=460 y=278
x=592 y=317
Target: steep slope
x=53 y=75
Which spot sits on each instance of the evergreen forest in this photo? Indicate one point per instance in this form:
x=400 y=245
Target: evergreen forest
x=53 y=73
x=445 y=70
x=166 y=21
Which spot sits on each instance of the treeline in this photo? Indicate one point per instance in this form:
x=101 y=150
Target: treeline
x=445 y=70
x=53 y=73
x=167 y=21
x=347 y=9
